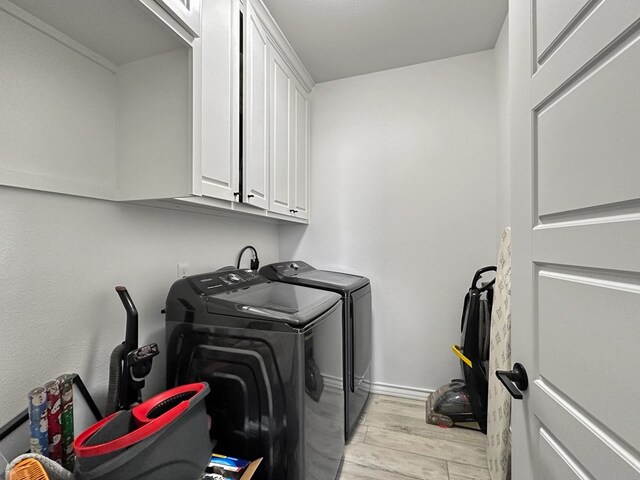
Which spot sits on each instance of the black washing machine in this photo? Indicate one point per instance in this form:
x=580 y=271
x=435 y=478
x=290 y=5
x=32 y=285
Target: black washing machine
x=356 y=294
x=271 y=354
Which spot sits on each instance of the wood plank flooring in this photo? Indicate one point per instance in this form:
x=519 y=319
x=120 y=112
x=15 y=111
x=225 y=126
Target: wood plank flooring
x=394 y=441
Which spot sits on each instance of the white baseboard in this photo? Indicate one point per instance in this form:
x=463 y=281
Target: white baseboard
x=401 y=391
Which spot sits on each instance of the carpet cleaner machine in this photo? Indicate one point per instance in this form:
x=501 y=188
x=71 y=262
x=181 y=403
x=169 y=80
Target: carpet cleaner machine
x=464 y=401
x=166 y=436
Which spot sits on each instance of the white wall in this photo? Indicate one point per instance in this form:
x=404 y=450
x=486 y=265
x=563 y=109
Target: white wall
x=504 y=165
x=404 y=192
x=61 y=257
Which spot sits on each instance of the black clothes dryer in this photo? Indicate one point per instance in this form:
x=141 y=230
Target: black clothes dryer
x=356 y=294
x=271 y=354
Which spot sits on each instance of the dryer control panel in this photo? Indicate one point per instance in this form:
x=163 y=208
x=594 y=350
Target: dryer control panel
x=217 y=282
x=291 y=269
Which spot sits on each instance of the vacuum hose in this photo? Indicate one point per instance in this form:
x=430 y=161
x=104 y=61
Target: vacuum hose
x=115 y=374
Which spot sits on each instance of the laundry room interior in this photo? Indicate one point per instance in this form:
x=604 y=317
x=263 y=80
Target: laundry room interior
x=178 y=158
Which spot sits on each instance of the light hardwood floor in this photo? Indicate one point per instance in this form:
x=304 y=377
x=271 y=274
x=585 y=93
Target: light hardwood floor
x=394 y=441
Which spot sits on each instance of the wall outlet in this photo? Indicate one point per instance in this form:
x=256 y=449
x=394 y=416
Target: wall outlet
x=183 y=270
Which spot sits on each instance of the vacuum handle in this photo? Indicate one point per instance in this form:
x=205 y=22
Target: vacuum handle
x=130 y=390
x=478 y=276
x=131 y=333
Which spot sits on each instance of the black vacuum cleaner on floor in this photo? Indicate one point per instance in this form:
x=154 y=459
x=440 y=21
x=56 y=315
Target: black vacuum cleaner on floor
x=463 y=401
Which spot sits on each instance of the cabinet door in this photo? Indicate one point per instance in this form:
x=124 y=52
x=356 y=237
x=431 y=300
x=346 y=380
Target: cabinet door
x=187 y=12
x=256 y=120
x=300 y=140
x=220 y=99
x=281 y=165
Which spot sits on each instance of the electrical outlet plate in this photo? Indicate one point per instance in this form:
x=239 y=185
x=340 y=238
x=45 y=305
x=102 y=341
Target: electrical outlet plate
x=183 y=270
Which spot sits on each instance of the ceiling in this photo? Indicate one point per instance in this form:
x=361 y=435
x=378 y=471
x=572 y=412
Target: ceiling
x=119 y=30
x=342 y=38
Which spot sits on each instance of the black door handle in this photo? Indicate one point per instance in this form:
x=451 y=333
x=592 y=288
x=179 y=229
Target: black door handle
x=518 y=376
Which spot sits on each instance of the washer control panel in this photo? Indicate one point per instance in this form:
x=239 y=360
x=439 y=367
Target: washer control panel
x=216 y=282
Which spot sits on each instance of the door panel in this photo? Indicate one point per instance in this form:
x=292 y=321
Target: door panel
x=554 y=20
x=588 y=42
x=556 y=463
x=593 y=241
x=256 y=151
x=580 y=348
x=587 y=139
x=576 y=225
x=584 y=439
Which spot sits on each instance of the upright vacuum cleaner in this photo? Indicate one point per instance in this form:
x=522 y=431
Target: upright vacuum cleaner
x=166 y=436
x=129 y=365
x=462 y=401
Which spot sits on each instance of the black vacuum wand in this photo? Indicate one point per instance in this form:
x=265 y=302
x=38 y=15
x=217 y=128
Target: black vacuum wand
x=129 y=365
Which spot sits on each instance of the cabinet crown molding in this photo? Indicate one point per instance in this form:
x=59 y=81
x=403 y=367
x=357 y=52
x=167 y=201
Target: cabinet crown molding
x=283 y=46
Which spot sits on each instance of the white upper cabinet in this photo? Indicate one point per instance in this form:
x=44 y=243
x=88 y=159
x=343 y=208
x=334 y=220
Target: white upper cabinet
x=300 y=138
x=187 y=104
x=280 y=134
x=256 y=112
x=220 y=99
x=187 y=12
x=288 y=87
x=97 y=98
x=289 y=160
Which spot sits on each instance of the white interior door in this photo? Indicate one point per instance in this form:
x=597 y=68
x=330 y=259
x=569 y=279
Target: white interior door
x=575 y=148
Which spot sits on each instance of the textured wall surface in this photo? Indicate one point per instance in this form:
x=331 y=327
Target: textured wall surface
x=404 y=192
x=61 y=257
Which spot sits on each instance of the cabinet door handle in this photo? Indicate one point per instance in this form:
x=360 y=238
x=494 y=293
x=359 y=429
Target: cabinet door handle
x=250 y=196
x=235 y=194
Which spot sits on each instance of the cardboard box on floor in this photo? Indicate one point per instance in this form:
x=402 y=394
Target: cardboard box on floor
x=251 y=469
x=246 y=474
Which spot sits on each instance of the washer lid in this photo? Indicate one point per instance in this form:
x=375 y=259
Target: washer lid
x=277 y=302
x=327 y=278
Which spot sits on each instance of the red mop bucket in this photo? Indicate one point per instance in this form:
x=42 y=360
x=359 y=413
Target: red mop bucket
x=165 y=437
